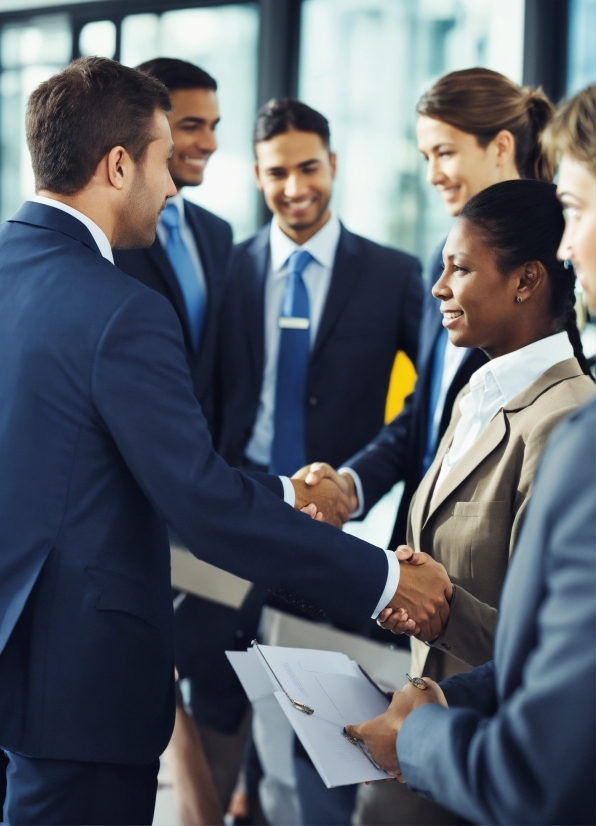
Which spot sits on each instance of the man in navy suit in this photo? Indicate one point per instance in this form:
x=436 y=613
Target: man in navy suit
x=288 y=395
x=208 y=241
x=102 y=443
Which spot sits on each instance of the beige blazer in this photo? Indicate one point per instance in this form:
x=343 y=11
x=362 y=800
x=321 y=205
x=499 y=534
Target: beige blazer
x=472 y=524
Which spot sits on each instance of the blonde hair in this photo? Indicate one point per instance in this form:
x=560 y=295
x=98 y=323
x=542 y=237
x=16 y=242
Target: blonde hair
x=482 y=103
x=573 y=129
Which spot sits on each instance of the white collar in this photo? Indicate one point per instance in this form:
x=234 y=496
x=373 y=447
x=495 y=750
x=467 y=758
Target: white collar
x=322 y=246
x=98 y=234
x=516 y=371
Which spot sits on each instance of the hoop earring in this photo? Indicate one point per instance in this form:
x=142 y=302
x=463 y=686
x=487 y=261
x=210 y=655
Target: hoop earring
x=519 y=299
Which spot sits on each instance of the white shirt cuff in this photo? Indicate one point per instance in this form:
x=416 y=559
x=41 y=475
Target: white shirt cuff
x=289 y=492
x=392 y=583
x=359 y=492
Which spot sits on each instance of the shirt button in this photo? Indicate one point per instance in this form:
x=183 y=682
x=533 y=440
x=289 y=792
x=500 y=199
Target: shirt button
x=313 y=401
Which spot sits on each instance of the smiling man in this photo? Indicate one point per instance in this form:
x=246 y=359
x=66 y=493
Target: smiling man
x=188 y=259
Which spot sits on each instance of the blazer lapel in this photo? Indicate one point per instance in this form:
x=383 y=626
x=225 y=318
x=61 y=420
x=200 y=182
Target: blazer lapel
x=158 y=255
x=259 y=257
x=347 y=269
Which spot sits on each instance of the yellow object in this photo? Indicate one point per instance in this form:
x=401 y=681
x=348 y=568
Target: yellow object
x=401 y=384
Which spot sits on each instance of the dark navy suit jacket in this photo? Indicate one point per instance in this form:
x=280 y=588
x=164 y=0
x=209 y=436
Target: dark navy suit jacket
x=372 y=310
x=518 y=742
x=398 y=451
x=151 y=267
x=102 y=441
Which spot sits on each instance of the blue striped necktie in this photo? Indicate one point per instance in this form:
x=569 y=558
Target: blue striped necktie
x=192 y=291
x=287 y=449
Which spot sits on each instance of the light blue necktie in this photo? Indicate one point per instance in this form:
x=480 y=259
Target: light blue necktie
x=287 y=450
x=177 y=252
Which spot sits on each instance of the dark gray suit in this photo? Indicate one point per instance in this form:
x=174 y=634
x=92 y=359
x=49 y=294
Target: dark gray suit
x=518 y=742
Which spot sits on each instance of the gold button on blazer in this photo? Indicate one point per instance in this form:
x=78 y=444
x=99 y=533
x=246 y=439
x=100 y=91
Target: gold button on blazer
x=472 y=523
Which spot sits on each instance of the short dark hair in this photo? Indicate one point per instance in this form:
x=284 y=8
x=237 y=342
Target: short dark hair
x=178 y=74
x=77 y=116
x=286 y=114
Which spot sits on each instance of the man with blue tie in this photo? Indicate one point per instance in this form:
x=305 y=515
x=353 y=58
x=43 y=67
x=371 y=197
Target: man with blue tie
x=102 y=445
x=187 y=261
x=313 y=318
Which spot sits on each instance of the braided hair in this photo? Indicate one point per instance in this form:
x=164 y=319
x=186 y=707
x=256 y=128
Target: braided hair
x=522 y=221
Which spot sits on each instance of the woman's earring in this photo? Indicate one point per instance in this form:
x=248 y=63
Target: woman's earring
x=519 y=299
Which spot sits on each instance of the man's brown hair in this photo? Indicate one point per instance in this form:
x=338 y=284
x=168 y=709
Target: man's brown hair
x=77 y=116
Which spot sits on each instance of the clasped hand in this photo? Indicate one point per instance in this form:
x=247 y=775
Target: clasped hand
x=380 y=733
x=325 y=494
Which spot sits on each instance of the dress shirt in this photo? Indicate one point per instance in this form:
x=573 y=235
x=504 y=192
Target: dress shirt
x=451 y=362
x=494 y=385
x=98 y=234
x=189 y=241
x=317 y=278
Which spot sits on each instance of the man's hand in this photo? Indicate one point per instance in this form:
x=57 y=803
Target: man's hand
x=315 y=473
x=328 y=499
x=423 y=593
x=380 y=733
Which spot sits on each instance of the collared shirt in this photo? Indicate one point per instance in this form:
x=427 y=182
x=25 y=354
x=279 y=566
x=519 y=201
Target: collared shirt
x=187 y=236
x=98 y=234
x=494 y=385
x=317 y=278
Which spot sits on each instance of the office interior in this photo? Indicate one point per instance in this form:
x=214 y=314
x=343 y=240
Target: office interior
x=363 y=63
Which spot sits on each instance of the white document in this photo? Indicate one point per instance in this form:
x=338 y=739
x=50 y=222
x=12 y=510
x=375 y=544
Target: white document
x=194 y=576
x=335 y=688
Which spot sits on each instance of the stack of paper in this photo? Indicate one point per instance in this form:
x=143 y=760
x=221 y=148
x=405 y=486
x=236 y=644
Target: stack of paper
x=337 y=691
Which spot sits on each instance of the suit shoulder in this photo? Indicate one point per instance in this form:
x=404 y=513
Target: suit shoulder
x=208 y=219
x=391 y=255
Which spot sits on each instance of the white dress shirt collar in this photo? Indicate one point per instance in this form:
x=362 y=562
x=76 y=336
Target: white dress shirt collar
x=322 y=246
x=98 y=234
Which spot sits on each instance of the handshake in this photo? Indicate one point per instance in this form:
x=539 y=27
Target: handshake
x=420 y=606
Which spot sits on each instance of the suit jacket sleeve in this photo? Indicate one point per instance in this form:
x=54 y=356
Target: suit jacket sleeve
x=533 y=761
x=470 y=631
x=141 y=388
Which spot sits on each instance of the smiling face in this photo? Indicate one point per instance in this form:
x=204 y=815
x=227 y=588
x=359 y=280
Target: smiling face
x=458 y=166
x=295 y=171
x=577 y=192
x=479 y=303
x=193 y=121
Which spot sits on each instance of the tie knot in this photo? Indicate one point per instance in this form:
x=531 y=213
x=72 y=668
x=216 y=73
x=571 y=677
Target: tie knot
x=170 y=217
x=299 y=261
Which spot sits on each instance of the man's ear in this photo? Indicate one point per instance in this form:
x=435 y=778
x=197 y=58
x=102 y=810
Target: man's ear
x=119 y=166
x=255 y=169
x=333 y=162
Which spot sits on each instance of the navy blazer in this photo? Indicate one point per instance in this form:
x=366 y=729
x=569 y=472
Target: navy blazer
x=518 y=742
x=398 y=451
x=372 y=310
x=101 y=442
x=152 y=267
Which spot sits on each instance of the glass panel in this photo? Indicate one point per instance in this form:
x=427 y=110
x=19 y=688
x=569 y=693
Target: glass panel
x=98 y=39
x=31 y=53
x=581 y=68
x=364 y=64
x=224 y=42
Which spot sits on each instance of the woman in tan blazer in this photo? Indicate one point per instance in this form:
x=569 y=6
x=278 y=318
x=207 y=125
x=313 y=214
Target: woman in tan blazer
x=502 y=290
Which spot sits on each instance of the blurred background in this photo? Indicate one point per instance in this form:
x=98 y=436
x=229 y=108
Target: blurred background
x=363 y=63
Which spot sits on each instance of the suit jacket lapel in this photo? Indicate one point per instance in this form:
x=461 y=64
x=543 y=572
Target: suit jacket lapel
x=347 y=268
x=259 y=257
x=158 y=255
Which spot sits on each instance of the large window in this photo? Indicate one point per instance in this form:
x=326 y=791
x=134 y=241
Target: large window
x=364 y=63
x=581 y=47
x=223 y=40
